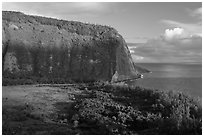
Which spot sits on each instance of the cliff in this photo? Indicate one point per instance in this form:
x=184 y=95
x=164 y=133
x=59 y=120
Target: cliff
x=51 y=48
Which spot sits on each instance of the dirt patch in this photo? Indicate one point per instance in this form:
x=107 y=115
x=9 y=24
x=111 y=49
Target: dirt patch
x=37 y=109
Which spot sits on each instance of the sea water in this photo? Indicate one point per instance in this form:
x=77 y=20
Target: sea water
x=168 y=76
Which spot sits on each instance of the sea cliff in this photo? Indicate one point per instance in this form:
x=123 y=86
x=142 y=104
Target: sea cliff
x=49 y=48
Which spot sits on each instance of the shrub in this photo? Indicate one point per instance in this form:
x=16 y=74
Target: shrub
x=117 y=109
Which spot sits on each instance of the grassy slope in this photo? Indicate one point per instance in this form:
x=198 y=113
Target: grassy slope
x=108 y=109
x=31 y=109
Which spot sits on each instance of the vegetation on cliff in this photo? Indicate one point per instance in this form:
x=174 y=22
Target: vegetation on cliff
x=79 y=28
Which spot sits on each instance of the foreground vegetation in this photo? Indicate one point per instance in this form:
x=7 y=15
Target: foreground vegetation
x=109 y=109
x=119 y=109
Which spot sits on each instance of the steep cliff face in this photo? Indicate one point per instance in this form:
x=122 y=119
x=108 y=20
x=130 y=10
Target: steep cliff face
x=46 y=47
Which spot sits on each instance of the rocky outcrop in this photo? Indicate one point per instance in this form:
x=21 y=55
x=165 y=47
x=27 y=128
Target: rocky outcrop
x=51 y=48
x=141 y=69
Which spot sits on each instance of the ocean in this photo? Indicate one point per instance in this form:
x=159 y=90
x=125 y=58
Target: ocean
x=168 y=76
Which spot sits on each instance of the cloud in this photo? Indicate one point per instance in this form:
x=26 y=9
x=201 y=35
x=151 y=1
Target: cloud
x=62 y=10
x=191 y=28
x=176 y=33
x=175 y=45
x=194 y=29
x=89 y=6
x=197 y=13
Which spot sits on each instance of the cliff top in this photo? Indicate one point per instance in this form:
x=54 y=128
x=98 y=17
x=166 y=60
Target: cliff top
x=71 y=26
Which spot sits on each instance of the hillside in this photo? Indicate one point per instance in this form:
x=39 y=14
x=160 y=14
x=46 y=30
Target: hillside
x=49 y=48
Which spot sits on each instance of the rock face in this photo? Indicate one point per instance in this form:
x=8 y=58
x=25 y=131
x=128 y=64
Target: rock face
x=51 y=48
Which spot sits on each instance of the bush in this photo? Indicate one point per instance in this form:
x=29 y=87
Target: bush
x=114 y=109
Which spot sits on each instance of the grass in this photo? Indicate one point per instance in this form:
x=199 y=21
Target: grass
x=8 y=81
x=111 y=109
x=18 y=120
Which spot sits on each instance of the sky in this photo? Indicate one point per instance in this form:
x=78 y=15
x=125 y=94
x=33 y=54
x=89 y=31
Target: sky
x=168 y=32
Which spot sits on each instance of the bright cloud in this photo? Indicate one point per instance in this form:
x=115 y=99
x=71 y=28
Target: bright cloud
x=194 y=29
x=176 y=33
x=190 y=28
